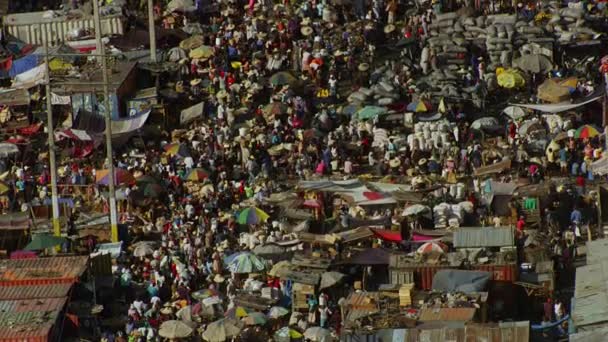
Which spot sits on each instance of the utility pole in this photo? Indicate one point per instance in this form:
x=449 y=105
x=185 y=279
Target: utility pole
x=51 y=139
x=152 y=31
x=108 y=119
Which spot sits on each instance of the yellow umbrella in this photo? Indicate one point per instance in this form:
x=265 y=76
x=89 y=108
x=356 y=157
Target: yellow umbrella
x=510 y=79
x=203 y=51
x=3 y=188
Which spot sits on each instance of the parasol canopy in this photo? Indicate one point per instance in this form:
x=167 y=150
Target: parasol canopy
x=175 y=329
x=201 y=52
x=282 y=78
x=287 y=334
x=533 y=63
x=484 y=122
x=510 y=79
x=586 y=131
x=143 y=250
x=277 y=311
x=197 y=175
x=430 y=247
x=251 y=216
x=514 y=112
x=246 y=263
x=121 y=176
x=7 y=149
x=419 y=106
x=44 y=241
x=222 y=330
x=415 y=209
x=176 y=149
x=370 y=112
x=192 y=42
x=280 y=268
x=255 y=318
x=3 y=188
x=318 y=334
x=331 y=278
x=237 y=312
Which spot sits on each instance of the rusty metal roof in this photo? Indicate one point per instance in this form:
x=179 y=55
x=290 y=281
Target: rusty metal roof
x=29 y=320
x=34 y=291
x=447 y=314
x=42 y=271
x=361 y=304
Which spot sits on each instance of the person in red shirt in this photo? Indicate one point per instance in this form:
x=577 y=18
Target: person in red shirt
x=521 y=224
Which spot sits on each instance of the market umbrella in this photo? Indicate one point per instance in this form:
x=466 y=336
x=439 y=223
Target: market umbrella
x=287 y=334
x=246 y=263
x=331 y=278
x=434 y=246
x=586 y=131
x=510 y=79
x=197 y=175
x=277 y=311
x=251 y=215
x=181 y=6
x=176 y=149
x=44 y=241
x=274 y=109
x=255 y=318
x=280 y=269
x=484 y=122
x=121 y=176
x=419 y=106
x=318 y=334
x=237 y=312
x=415 y=209
x=282 y=78
x=514 y=112
x=202 y=52
x=7 y=149
x=175 y=329
x=192 y=42
x=350 y=109
x=222 y=330
x=3 y=188
x=143 y=250
x=370 y=112
x=533 y=63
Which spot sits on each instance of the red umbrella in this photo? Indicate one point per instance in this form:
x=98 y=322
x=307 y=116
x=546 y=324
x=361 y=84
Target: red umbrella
x=312 y=203
x=373 y=195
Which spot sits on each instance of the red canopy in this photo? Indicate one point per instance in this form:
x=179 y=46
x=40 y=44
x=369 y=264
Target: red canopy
x=387 y=235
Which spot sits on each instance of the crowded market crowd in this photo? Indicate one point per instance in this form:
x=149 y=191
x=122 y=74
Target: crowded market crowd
x=306 y=91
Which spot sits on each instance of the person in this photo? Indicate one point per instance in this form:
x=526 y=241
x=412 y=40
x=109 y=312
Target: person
x=558 y=309
x=324 y=314
x=521 y=223
x=548 y=310
x=312 y=305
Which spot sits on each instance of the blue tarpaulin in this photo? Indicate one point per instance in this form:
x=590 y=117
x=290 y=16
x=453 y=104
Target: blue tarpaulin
x=24 y=64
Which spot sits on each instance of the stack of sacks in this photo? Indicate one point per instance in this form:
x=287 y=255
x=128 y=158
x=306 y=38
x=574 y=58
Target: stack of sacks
x=430 y=135
x=382 y=92
x=448 y=215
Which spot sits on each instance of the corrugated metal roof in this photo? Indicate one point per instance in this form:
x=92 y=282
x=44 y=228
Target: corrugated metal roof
x=595 y=335
x=34 y=292
x=28 y=320
x=506 y=332
x=42 y=271
x=484 y=237
x=591 y=295
x=597 y=250
x=360 y=305
x=447 y=314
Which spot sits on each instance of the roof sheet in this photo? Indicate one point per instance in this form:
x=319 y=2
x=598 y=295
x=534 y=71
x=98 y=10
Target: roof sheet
x=597 y=250
x=34 y=291
x=595 y=335
x=26 y=320
x=484 y=237
x=447 y=314
x=42 y=270
x=591 y=295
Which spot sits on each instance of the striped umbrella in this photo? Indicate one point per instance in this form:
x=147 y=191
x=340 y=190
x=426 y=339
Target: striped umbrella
x=176 y=149
x=197 y=175
x=236 y=312
x=586 y=131
x=429 y=247
x=121 y=176
x=252 y=215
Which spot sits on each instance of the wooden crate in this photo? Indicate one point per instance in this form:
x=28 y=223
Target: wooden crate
x=405 y=294
x=299 y=295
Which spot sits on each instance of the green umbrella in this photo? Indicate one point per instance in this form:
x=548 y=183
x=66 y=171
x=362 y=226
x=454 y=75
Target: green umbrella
x=252 y=215
x=246 y=262
x=370 y=112
x=44 y=241
x=282 y=78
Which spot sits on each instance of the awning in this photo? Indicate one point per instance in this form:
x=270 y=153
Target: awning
x=192 y=113
x=387 y=235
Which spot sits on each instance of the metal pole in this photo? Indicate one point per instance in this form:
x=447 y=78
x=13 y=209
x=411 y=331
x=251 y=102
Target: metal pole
x=152 y=31
x=51 y=141
x=106 y=95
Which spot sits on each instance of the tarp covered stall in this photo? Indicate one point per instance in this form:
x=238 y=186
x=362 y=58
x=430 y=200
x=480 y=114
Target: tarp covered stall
x=460 y=281
x=192 y=113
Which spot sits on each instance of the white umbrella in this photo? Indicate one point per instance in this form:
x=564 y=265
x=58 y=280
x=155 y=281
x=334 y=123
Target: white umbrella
x=277 y=311
x=222 y=330
x=415 y=209
x=484 y=122
x=318 y=334
x=331 y=278
x=7 y=149
x=175 y=329
x=514 y=112
x=430 y=247
x=143 y=250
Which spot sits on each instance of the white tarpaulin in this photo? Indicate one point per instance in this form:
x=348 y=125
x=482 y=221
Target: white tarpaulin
x=60 y=100
x=129 y=125
x=600 y=167
x=192 y=113
x=558 y=107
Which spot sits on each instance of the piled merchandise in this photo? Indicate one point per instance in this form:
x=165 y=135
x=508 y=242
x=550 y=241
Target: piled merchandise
x=405 y=294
